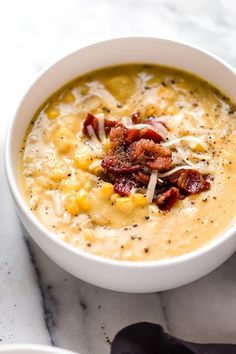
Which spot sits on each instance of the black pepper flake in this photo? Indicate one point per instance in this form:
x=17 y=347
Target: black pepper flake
x=146 y=249
x=147 y=217
x=122 y=246
x=89 y=244
x=135 y=225
x=105 y=109
x=132 y=237
x=204 y=200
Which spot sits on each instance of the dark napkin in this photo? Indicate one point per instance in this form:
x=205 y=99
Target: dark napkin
x=150 y=338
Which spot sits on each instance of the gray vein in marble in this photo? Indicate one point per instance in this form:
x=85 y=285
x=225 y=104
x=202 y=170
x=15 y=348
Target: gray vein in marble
x=48 y=301
x=165 y=312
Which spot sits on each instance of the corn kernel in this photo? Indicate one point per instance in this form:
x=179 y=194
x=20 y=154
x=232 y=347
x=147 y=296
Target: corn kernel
x=84 y=89
x=71 y=121
x=150 y=111
x=89 y=235
x=106 y=190
x=87 y=185
x=71 y=205
x=162 y=91
x=100 y=220
x=171 y=110
x=63 y=139
x=52 y=113
x=125 y=204
x=83 y=159
x=139 y=199
x=45 y=182
x=166 y=93
x=68 y=97
x=71 y=186
x=195 y=146
x=95 y=167
x=114 y=197
x=83 y=200
x=57 y=174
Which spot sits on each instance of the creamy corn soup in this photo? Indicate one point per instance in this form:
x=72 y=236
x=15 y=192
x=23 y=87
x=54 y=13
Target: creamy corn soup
x=134 y=162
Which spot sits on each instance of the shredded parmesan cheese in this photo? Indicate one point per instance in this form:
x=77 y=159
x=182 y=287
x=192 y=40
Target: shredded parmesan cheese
x=151 y=186
x=92 y=135
x=178 y=168
x=57 y=203
x=191 y=139
x=101 y=128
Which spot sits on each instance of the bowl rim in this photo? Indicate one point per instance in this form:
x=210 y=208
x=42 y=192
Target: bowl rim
x=40 y=349
x=20 y=201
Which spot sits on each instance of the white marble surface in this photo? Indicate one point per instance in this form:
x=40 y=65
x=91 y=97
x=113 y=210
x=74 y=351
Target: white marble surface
x=39 y=302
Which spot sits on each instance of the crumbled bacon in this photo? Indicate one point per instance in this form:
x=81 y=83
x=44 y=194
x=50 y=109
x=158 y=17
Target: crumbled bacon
x=92 y=121
x=190 y=181
x=133 y=155
x=108 y=124
x=123 y=185
x=136 y=118
x=143 y=177
x=135 y=134
x=118 y=160
x=154 y=156
x=113 y=164
x=117 y=137
x=168 y=198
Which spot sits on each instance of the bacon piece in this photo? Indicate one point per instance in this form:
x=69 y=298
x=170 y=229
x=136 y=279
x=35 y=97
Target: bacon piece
x=144 y=133
x=190 y=181
x=143 y=178
x=117 y=137
x=123 y=185
x=168 y=198
x=118 y=161
x=151 y=135
x=115 y=165
x=132 y=135
x=151 y=155
x=93 y=121
x=108 y=124
x=136 y=119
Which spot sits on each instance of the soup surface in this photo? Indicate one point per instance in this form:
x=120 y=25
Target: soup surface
x=136 y=162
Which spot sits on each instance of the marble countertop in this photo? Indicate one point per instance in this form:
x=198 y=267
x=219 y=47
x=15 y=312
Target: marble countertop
x=39 y=302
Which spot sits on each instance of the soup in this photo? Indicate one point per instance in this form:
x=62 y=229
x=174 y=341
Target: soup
x=134 y=162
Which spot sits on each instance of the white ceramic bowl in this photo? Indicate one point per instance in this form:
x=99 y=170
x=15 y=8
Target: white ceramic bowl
x=31 y=349
x=111 y=274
